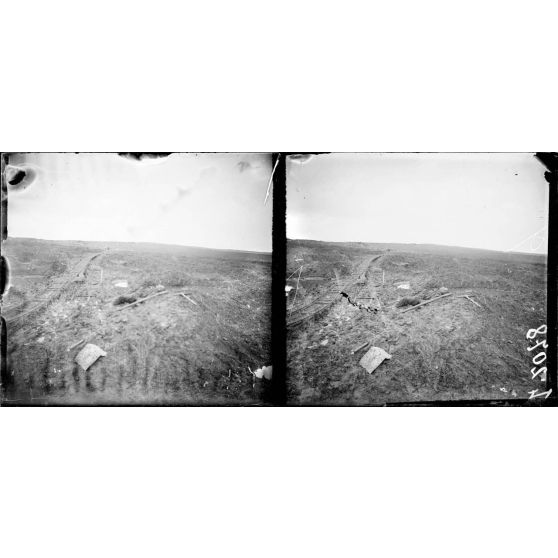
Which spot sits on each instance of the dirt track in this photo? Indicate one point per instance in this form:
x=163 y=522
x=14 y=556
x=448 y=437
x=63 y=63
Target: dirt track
x=54 y=289
x=317 y=307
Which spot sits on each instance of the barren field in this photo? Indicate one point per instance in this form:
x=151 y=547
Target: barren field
x=449 y=349
x=193 y=348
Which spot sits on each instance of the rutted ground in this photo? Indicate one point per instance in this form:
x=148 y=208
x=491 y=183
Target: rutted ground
x=166 y=350
x=449 y=349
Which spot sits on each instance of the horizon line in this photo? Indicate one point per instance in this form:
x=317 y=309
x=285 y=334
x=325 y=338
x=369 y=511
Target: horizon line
x=138 y=242
x=422 y=244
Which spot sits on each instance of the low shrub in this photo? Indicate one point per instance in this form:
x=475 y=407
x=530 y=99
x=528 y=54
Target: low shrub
x=123 y=299
x=408 y=301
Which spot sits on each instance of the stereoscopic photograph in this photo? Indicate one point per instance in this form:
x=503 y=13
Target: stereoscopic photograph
x=137 y=279
x=146 y=279
x=415 y=278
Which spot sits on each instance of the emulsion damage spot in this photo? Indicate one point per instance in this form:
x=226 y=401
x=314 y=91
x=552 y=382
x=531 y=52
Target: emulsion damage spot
x=144 y=157
x=300 y=158
x=20 y=178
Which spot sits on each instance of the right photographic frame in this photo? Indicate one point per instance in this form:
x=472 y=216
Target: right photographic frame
x=420 y=279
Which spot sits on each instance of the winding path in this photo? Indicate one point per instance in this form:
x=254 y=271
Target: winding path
x=58 y=284
x=357 y=281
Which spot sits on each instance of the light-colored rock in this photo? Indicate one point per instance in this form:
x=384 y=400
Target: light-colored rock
x=373 y=358
x=89 y=355
x=264 y=372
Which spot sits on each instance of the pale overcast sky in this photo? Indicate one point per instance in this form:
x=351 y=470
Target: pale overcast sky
x=490 y=201
x=210 y=200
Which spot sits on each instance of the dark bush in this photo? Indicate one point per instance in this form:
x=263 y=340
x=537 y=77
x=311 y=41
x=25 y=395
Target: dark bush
x=408 y=301
x=123 y=299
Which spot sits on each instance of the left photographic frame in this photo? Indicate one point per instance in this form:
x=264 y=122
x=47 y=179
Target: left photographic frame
x=136 y=279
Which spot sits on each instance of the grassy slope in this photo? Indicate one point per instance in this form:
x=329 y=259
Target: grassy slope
x=165 y=350
x=450 y=349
